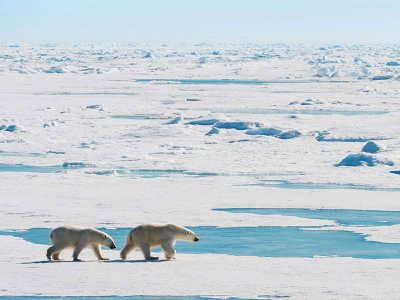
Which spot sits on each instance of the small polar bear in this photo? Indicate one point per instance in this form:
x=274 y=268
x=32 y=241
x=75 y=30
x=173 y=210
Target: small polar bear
x=78 y=238
x=148 y=236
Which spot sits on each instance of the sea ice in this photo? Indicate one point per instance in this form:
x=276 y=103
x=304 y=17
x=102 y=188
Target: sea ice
x=288 y=134
x=363 y=159
x=372 y=147
x=237 y=125
x=270 y=131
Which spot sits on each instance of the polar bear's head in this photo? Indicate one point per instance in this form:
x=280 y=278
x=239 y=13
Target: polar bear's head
x=189 y=235
x=107 y=241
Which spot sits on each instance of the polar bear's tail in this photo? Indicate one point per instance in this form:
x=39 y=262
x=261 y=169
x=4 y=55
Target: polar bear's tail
x=52 y=236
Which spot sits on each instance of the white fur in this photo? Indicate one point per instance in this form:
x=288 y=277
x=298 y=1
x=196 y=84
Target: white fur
x=78 y=238
x=148 y=236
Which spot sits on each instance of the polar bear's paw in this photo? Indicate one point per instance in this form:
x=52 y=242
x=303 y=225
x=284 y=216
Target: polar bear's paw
x=152 y=258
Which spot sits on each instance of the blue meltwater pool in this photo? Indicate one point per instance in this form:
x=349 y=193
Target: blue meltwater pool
x=275 y=241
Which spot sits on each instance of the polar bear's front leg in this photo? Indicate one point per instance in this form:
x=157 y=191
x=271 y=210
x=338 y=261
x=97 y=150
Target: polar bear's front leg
x=97 y=252
x=168 y=248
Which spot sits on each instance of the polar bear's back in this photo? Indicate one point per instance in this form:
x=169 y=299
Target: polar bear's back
x=66 y=235
x=154 y=234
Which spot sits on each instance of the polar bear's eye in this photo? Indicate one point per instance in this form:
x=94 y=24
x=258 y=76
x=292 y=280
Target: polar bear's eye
x=105 y=236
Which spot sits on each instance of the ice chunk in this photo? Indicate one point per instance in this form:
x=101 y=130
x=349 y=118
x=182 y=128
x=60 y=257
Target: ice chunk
x=57 y=70
x=382 y=77
x=147 y=55
x=10 y=128
x=327 y=137
x=213 y=131
x=363 y=159
x=176 y=120
x=76 y=165
x=372 y=147
x=50 y=124
x=205 y=122
x=327 y=71
x=237 y=125
x=365 y=71
x=202 y=60
x=288 y=134
x=95 y=106
x=264 y=131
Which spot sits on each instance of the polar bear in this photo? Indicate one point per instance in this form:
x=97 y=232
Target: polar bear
x=152 y=235
x=78 y=238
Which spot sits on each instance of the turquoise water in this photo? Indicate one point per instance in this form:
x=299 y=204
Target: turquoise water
x=136 y=117
x=347 y=217
x=144 y=173
x=297 y=112
x=284 y=184
x=222 y=81
x=277 y=241
x=41 y=169
x=153 y=173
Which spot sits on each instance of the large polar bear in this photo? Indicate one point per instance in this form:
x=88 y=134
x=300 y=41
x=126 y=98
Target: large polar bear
x=151 y=235
x=78 y=238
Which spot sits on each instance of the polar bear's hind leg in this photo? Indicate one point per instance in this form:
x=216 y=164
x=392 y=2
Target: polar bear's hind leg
x=129 y=246
x=56 y=256
x=146 y=252
x=53 y=251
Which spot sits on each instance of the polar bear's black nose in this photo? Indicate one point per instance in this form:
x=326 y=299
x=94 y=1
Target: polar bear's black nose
x=112 y=246
x=196 y=239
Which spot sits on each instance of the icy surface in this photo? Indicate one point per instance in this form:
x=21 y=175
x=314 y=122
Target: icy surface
x=117 y=135
x=227 y=275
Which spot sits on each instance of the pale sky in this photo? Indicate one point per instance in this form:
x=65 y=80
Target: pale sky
x=190 y=21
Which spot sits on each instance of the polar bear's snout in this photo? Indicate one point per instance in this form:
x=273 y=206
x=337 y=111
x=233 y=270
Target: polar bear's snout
x=113 y=246
x=196 y=239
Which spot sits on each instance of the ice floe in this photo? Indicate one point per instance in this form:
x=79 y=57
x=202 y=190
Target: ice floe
x=363 y=159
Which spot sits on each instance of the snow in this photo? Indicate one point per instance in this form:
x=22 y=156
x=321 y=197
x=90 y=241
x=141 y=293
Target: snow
x=117 y=143
x=208 y=275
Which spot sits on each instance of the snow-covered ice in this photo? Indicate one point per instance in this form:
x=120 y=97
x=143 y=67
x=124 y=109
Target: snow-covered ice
x=114 y=136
